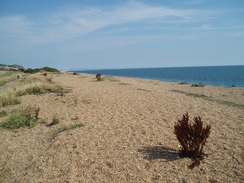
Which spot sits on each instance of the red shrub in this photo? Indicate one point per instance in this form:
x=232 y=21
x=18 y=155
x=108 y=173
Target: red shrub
x=98 y=76
x=192 y=136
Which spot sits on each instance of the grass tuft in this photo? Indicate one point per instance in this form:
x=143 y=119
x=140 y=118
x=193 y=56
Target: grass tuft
x=124 y=84
x=66 y=128
x=3 y=113
x=54 y=121
x=183 y=83
x=204 y=97
x=21 y=118
x=141 y=89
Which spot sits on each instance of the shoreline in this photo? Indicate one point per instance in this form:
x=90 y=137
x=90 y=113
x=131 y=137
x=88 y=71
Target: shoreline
x=138 y=73
x=175 y=82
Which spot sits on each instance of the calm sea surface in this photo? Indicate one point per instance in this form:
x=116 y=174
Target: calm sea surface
x=212 y=75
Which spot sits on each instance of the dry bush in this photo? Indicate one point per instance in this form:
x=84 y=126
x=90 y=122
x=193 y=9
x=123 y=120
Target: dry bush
x=98 y=76
x=192 y=136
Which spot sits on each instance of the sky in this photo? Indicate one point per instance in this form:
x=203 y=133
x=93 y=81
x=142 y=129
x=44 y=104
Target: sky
x=106 y=34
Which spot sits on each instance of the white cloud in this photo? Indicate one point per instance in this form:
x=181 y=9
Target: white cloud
x=68 y=24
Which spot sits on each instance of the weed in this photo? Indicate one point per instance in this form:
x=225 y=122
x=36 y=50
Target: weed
x=98 y=77
x=54 y=121
x=61 y=91
x=183 y=83
x=198 y=85
x=65 y=128
x=3 y=113
x=71 y=127
x=192 y=137
x=144 y=90
x=204 y=97
x=124 y=84
x=20 y=118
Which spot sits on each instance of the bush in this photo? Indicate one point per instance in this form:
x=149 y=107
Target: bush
x=198 y=85
x=98 y=76
x=183 y=83
x=31 y=71
x=192 y=136
x=47 y=69
x=21 y=118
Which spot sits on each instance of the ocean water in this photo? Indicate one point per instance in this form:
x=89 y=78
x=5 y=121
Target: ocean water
x=209 y=75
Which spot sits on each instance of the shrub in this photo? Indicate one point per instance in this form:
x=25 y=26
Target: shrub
x=183 y=83
x=198 y=85
x=192 y=136
x=98 y=76
x=47 y=69
x=21 y=118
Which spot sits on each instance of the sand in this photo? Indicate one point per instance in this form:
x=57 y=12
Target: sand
x=128 y=134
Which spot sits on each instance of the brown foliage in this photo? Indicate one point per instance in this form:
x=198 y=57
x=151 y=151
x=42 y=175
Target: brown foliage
x=98 y=76
x=192 y=137
x=36 y=111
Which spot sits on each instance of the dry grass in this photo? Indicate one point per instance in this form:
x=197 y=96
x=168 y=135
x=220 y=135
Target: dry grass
x=30 y=84
x=7 y=76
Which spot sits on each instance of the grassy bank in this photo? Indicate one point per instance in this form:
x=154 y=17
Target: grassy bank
x=29 y=84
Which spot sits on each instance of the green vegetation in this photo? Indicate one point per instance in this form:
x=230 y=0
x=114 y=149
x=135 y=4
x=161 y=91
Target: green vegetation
x=21 y=118
x=198 y=85
x=183 y=83
x=75 y=73
x=141 y=89
x=124 y=84
x=71 y=127
x=7 y=76
x=47 y=69
x=31 y=84
x=66 y=128
x=204 y=97
x=54 y=121
x=3 y=113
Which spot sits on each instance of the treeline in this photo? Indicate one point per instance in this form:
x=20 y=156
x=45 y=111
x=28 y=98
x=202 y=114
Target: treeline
x=47 y=69
x=29 y=70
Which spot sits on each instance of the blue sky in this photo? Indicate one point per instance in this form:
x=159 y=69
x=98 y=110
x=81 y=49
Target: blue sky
x=95 y=34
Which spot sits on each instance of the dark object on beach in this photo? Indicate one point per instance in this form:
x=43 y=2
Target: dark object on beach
x=192 y=138
x=45 y=74
x=198 y=85
x=98 y=76
x=36 y=112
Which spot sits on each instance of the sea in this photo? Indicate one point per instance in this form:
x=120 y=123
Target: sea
x=229 y=76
